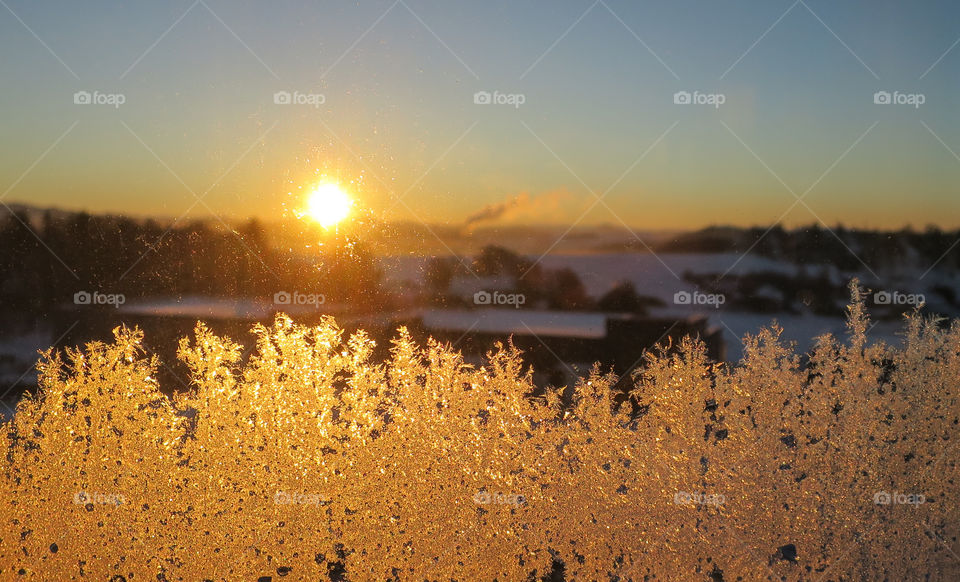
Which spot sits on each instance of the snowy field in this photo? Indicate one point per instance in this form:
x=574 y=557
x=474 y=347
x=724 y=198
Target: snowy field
x=662 y=276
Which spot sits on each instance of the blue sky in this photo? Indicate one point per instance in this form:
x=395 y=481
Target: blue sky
x=399 y=119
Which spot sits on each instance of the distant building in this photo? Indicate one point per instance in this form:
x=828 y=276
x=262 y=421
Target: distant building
x=561 y=345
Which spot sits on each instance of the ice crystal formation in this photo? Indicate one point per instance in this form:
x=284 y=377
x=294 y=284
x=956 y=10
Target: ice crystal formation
x=311 y=461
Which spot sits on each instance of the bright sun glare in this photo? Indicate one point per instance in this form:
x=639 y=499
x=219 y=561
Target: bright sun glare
x=328 y=204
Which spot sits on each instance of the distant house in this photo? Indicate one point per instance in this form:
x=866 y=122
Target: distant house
x=561 y=344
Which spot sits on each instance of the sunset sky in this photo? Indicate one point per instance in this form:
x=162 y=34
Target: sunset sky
x=398 y=119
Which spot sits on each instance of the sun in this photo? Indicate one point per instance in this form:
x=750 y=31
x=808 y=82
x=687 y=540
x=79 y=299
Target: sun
x=328 y=204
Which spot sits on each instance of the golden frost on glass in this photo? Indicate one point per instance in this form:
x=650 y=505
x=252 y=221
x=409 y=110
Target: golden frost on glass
x=310 y=460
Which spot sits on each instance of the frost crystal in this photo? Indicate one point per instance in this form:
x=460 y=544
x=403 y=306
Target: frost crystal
x=314 y=462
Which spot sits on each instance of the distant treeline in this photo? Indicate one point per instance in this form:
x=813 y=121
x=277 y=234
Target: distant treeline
x=838 y=246
x=557 y=289
x=46 y=258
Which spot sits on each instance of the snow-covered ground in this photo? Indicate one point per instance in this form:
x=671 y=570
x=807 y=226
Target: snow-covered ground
x=663 y=276
x=658 y=276
x=802 y=329
x=18 y=353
